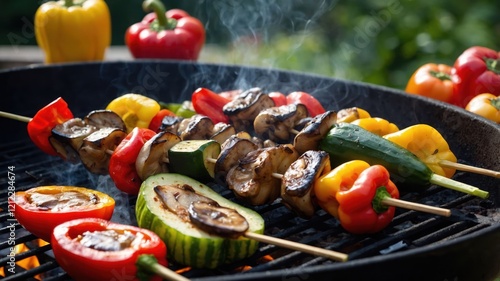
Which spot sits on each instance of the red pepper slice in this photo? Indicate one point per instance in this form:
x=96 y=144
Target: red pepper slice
x=210 y=104
x=170 y=35
x=476 y=71
x=278 y=98
x=122 y=162
x=313 y=106
x=360 y=210
x=41 y=125
x=36 y=211
x=155 y=123
x=82 y=262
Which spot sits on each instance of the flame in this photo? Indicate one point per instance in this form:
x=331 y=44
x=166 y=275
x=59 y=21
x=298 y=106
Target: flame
x=29 y=262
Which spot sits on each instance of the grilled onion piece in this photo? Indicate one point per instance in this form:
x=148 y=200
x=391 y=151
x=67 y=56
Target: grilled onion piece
x=252 y=179
x=216 y=219
x=276 y=123
x=154 y=153
x=314 y=131
x=243 y=109
x=298 y=181
x=103 y=118
x=95 y=149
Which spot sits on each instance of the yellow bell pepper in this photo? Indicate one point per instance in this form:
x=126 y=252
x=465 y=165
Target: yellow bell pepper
x=135 y=110
x=73 y=30
x=486 y=105
x=376 y=125
x=351 y=114
x=428 y=145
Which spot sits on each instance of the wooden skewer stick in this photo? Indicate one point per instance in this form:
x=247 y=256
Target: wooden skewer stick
x=15 y=116
x=416 y=206
x=168 y=274
x=468 y=168
x=297 y=246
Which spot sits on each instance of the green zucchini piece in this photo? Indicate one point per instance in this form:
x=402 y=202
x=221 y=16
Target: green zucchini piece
x=194 y=158
x=187 y=244
x=345 y=142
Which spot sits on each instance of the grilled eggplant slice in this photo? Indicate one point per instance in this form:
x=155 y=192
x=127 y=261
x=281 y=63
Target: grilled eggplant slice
x=232 y=150
x=153 y=156
x=199 y=127
x=188 y=244
x=314 y=131
x=277 y=123
x=103 y=118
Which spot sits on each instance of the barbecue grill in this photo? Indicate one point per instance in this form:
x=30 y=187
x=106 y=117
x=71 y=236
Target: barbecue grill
x=415 y=246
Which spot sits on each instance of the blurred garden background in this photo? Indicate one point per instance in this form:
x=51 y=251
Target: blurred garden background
x=380 y=42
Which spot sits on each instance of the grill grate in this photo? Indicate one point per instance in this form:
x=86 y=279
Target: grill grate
x=408 y=230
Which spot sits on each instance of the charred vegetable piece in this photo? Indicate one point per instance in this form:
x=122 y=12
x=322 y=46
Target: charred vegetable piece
x=72 y=132
x=222 y=132
x=194 y=158
x=199 y=127
x=276 y=123
x=103 y=118
x=64 y=150
x=314 y=131
x=232 y=150
x=220 y=220
x=297 y=185
x=97 y=148
x=187 y=244
x=252 y=179
x=153 y=157
x=171 y=124
x=351 y=114
x=243 y=109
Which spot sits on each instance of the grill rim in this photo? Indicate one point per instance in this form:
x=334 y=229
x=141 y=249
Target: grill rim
x=420 y=250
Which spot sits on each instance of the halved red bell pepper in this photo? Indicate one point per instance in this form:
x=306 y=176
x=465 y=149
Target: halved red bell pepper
x=42 y=208
x=96 y=249
x=352 y=192
x=313 y=106
x=122 y=162
x=210 y=104
x=41 y=125
x=476 y=71
x=168 y=35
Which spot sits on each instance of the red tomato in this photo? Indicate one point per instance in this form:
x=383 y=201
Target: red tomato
x=210 y=104
x=278 y=98
x=155 y=123
x=311 y=103
x=122 y=162
x=41 y=125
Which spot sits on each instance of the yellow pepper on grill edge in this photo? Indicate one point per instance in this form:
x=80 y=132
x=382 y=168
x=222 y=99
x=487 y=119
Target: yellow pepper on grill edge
x=73 y=30
x=428 y=145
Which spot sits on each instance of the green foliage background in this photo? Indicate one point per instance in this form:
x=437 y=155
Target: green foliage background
x=376 y=41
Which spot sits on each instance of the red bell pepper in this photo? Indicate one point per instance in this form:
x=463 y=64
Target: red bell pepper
x=210 y=104
x=40 y=209
x=476 y=71
x=86 y=249
x=278 y=98
x=313 y=106
x=167 y=35
x=122 y=162
x=41 y=125
x=352 y=192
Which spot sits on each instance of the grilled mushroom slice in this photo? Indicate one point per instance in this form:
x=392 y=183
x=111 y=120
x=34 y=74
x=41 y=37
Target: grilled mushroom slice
x=64 y=150
x=313 y=132
x=153 y=156
x=96 y=148
x=199 y=127
x=232 y=150
x=103 y=118
x=177 y=199
x=252 y=180
x=222 y=132
x=71 y=133
x=243 y=109
x=217 y=219
x=276 y=123
x=298 y=181
x=171 y=124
